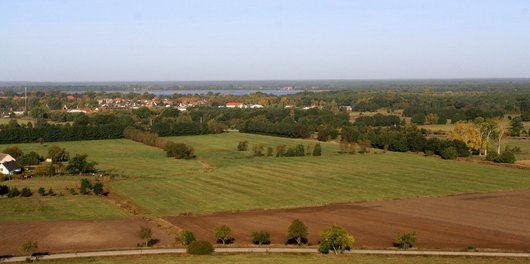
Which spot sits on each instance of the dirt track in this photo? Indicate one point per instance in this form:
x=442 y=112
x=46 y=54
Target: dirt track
x=57 y=236
x=494 y=220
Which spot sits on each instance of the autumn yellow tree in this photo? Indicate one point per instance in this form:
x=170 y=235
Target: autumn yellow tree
x=432 y=118
x=468 y=133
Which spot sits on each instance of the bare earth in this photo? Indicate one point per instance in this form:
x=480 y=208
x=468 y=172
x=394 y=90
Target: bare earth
x=57 y=236
x=494 y=220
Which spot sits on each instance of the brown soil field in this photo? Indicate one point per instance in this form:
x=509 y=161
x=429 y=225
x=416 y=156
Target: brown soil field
x=58 y=236
x=485 y=221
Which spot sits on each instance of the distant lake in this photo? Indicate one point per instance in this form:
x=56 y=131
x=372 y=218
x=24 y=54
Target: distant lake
x=227 y=92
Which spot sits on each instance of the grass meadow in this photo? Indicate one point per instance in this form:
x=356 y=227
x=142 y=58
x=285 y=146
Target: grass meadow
x=224 y=179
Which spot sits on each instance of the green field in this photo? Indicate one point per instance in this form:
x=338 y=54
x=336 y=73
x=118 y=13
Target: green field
x=287 y=259
x=524 y=145
x=224 y=179
x=54 y=208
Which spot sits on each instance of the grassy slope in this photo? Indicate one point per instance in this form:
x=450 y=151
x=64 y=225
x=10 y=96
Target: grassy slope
x=277 y=258
x=524 y=145
x=169 y=187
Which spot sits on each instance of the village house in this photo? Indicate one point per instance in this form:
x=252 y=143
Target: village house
x=8 y=165
x=234 y=105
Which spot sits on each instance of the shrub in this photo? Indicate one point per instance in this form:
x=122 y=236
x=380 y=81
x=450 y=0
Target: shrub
x=297 y=233
x=4 y=190
x=317 y=151
x=223 y=234
x=187 y=237
x=200 y=248
x=29 y=247
x=98 y=188
x=179 y=150
x=429 y=153
x=86 y=186
x=242 y=146
x=449 y=153
x=13 y=192
x=506 y=157
x=405 y=241
x=261 y=238
x=492 y=156
x=42 y=191
x=51 y=192
x=335 y=239
x=26 y=192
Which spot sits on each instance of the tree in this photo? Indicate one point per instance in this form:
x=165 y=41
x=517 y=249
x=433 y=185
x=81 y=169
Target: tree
x=418 y=118
x=14 y=152
x=432 y=118
x=336 y=239
x=79 y=164
x=261 y=238
x=468 y=133
x=51 y=170
x=187 y=237
x=297 y=233
x=31 y=158
x=317 y=151
x=517 y=126
x=57 y=154
x=42 y=191
x=146 y=234
x=223 y=234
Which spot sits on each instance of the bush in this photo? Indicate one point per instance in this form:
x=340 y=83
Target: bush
x=492 y=156
x=317 y=151
x=242 y=146
x=51 y=192
x=449 y=153
x=86 y=186
x=26 y=192
x=42 y=191
x=98 y=188
x=13 y=192
x=187 y=237
x=4 y=190
x=405 y=241
x=200 y=248
x=261 y=238
x=506 y=157
x=179 y=150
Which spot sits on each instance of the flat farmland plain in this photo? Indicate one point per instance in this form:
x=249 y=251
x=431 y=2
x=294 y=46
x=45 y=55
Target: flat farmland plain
x=224 y=179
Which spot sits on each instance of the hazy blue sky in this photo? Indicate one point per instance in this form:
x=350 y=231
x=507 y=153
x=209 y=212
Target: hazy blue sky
x=108 y=40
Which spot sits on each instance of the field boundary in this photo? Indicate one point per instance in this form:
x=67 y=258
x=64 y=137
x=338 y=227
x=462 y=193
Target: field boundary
x=269 y=250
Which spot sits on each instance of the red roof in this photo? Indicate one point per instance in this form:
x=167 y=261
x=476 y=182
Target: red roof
x=234 y=103
x=70 y=98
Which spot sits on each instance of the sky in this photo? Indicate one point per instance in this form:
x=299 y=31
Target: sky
x=113 y=40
